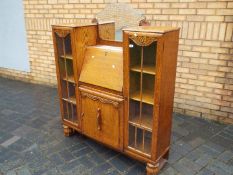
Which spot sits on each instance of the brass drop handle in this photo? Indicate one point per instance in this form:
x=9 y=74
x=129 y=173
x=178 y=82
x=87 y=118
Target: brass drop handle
x=98 y=119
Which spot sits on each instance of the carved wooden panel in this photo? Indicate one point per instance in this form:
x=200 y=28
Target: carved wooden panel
x=62 y=33
x=102 y=100
x=142 y=40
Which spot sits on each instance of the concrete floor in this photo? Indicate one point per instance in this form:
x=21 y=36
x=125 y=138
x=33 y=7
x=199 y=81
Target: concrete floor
x=32 y=141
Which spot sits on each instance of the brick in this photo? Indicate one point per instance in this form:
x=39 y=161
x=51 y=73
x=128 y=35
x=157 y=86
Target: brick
x=217 y=5
x=203 y=31
x=52 y=1
x=204 y=100
x=209 y=31
x=153 y=11
x=189 y=65
x=179 y=5
x=200 y=49
x=224 y=12
x=206 y=78
x=219 y=50
x=214 y=85
x=228 y=19
x=145 y=5
x=177 y=17
x=205 y=11
x=170 y=11
x=222 y=31
x=196 y=93
x=161 y=5
x=229 y=31
x=195 y=18
x=211 y=43
x=214 y=18
x=213 y=96
x=189 y=76
x=187 y=11
x=199 y=60
x=218 y=62
x=197 y=5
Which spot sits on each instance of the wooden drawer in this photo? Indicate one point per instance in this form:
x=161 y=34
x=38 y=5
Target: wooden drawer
x=102 y=118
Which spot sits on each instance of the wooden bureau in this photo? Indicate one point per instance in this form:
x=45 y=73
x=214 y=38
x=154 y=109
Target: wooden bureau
x=118 y=93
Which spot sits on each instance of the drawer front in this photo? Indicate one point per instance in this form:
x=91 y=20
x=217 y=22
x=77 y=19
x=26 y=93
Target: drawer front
x=101 y=120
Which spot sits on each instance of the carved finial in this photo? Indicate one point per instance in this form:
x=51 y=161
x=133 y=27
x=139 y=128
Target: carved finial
x=94 y=20
x=144 y=22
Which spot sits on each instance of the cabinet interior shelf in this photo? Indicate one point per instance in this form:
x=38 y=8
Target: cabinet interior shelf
x=67 y=56
x=147 y=96
x=70 y=100
x=69 y=79
x=145 y=123
x=148 y=69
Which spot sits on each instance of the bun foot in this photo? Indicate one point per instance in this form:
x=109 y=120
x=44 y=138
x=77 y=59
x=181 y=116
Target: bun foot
x=67 y=131
x=152 y=169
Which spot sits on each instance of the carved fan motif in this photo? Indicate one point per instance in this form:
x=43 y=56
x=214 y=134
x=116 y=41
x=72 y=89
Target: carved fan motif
x=142 y=40
x=62 y=33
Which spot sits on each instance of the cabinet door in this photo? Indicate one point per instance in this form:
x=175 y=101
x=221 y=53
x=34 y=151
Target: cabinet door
x=140 y=75
x=65 y=75
x=101 y=120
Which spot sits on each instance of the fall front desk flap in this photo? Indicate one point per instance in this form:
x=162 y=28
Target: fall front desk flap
x=103 y=66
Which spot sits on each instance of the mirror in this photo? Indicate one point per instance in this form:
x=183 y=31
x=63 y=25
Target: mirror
x=115 y=17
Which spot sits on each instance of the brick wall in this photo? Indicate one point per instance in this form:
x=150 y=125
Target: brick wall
x=204 y=84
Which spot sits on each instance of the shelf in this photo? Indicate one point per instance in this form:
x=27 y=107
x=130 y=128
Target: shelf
x=67 y=56
x=70 y=100
x=69 y=79
x=146 y=122
x=148 y=69
x=147 y=96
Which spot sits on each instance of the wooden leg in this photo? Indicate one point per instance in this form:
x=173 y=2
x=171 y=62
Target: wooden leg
x=152 y=169
x=67 y=130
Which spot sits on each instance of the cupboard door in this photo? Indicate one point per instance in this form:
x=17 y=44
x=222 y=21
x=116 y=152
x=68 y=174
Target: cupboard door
x=141 y=76
x=65 y=68
x=101 y=121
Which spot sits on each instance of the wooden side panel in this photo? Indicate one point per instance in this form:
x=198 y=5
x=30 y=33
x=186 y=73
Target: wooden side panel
x=167 y=87
x=126 y=64
x=82 y=37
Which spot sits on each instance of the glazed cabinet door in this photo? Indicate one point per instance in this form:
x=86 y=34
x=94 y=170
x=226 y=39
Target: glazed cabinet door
x=101 y=120
x=140 y=73
x=65 y=66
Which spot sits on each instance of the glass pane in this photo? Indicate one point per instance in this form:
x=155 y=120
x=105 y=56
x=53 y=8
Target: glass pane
x=147 y=116
x=147 y=142
x=60 y=49
x=149 y=61
x=62 y=68
x=135 y=52
x=134 y=111
x=68 y=51
x=132 y=136
x=134 y=91
x=64 y=89
x=148 y=88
